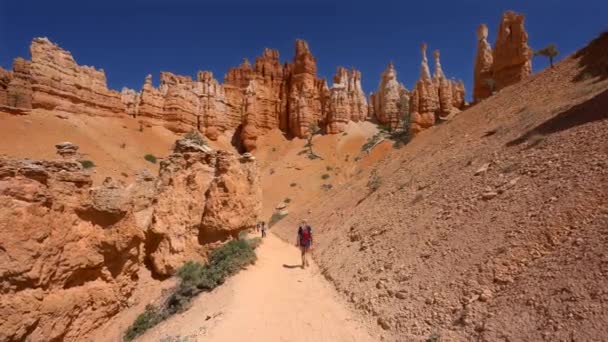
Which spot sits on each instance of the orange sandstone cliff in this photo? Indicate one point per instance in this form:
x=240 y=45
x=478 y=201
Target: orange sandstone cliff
x=75 y=258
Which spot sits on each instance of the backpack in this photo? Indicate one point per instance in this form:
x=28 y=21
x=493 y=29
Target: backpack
x=306 y=235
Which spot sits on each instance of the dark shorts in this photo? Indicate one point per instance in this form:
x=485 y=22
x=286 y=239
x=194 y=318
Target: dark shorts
x=305 y=245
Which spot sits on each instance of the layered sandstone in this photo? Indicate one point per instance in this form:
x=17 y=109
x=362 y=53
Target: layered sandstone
x=59 y=83
x=74 y=261
x=307 y=95
x=482 y=75
x=388 y=98
x=20 y=92
x=512 y=56
x=5 y=78
x=425 y=97
x=508 y=63
x=346 y=100
x=204 y=196
x=252 y=100
x=434 y=97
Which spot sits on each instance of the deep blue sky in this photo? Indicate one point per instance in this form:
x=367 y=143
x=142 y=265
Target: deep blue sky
x=130 y=39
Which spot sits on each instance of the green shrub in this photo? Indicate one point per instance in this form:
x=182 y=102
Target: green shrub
x=190 y=272
x=196 y=137
x=87 y=164
x=371 y=142
x=149 y=318
x=195 y=278
x=276 y=217
x=151 y=158
x=325 y=176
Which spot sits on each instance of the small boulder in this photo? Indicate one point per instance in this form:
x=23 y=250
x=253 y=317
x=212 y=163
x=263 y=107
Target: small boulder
x=482 y=169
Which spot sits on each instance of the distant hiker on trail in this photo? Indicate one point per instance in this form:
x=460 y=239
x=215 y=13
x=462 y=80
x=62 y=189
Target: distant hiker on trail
x=304 y=241
x=263 y=228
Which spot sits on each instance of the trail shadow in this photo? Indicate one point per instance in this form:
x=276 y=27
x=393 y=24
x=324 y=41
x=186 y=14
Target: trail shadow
x=594 y=109
x=593 y=59
x=292 y=266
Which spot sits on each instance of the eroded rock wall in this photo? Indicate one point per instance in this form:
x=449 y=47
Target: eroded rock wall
x=59 y=83
x=74 y=260
x=5 y=78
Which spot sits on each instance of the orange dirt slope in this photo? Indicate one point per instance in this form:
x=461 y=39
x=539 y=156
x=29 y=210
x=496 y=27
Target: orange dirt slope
x=492 y=226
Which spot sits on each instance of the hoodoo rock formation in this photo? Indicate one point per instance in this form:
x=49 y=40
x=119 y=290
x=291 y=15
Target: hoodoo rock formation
x=483 y=81
x=252 y=100
x=387 y=99
x=508 y=63
x=346 y=100
x=512 y=55
x=74 y=261
x=434 y=97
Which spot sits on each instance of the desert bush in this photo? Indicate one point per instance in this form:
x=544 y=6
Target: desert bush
x=149 y=318
x=287 y=200
x=371 y=141
x=195 y=278
x=293 y=184
x=327 y=186
x=329 y=168
x=151 y=158
x=325 y=176
x=195 y=137
x=276 y=217
x=87 y=164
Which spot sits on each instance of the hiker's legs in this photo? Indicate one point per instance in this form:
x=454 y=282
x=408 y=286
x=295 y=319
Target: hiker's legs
x=303 y=249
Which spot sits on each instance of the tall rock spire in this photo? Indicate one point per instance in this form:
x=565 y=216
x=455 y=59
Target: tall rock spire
x=482 y=78
x=512 y=55
x=425 y=73
x=438 y=71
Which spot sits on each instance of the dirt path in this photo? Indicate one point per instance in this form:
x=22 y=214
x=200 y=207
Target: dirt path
x=273 y=300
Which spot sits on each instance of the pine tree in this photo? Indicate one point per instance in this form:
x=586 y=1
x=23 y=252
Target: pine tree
x=549 y=51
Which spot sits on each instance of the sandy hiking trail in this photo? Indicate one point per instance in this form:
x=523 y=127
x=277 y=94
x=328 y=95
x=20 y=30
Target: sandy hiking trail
x=273 y=300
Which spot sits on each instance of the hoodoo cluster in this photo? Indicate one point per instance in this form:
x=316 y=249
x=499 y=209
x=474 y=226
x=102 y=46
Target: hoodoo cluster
x=255 y=98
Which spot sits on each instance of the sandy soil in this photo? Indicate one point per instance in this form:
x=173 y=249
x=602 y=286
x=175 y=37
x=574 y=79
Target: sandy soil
x=273 y=300
x=289 y=173
x=115 y=145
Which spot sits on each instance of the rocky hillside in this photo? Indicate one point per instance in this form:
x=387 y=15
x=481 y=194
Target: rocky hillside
x=71 y=253
x=491 y=226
